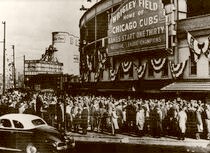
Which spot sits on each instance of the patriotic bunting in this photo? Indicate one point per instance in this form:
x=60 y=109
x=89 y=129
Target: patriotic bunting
x=113 y=74
x=126 y=65
x=177 y=69
x=141 y=70
x=158 y=64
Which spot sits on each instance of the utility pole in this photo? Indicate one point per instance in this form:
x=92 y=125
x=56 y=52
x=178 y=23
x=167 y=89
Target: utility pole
x=14 y=70
x=24 y=72
x=4 y=49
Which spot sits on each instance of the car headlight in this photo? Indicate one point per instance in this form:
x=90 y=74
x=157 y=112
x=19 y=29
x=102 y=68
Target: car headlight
x=31 y=149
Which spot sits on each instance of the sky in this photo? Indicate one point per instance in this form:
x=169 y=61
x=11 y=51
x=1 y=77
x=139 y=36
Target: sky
x=30 y=23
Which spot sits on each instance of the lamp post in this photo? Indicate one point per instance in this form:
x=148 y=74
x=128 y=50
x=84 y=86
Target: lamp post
x=4 y=42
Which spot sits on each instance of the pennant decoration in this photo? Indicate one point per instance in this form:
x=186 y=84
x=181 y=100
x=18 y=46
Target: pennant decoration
x=177 y=69
x=96 y=76
x=89 y=63
x=85 y=76
x=158 y=64
x=102 y=57
x=141 y=70
x=112 y=74
x=126 y=65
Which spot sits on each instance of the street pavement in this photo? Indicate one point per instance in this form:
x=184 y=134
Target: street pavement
x=133 y=139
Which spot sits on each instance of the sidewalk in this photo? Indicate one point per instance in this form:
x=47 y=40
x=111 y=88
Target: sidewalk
x=145 y=140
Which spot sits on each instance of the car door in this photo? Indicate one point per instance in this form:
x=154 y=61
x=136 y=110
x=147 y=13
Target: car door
x=6 y=133
x=23 y=136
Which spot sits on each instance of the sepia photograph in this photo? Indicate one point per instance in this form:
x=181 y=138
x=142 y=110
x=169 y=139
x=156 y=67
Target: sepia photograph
x=105 y=76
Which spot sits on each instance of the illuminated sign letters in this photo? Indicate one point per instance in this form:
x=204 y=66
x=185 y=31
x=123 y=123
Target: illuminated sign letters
x=137 y=25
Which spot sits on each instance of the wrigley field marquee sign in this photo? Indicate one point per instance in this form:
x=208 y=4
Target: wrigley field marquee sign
x=137 y=25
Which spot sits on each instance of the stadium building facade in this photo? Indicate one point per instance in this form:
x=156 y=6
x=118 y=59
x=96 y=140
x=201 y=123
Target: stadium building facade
x=146 y=46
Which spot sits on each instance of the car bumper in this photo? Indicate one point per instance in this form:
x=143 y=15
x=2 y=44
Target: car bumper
x=65 y=146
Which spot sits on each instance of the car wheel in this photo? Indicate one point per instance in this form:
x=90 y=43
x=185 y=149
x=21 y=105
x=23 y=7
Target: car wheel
x=30 y=148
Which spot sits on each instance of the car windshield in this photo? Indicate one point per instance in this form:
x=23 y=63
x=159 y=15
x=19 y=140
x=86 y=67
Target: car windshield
x=37 y=122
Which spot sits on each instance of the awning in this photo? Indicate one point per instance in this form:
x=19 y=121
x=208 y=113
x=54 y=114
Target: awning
x=188 y=86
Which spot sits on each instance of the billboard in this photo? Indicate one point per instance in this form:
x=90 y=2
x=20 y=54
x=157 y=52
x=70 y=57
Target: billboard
x=35 y=67
x=137 y=25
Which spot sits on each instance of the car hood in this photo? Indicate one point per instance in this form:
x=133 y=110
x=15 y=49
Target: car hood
x=51 y=132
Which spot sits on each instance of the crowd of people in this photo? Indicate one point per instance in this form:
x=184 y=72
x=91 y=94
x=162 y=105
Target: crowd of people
x=107 y=114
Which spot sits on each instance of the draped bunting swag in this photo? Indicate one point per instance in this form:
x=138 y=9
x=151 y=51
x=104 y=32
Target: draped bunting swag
x=158 y=64
x=197 y=48
x=141 y=70
x=177 y=69
x=112 y=74
x=126 y=65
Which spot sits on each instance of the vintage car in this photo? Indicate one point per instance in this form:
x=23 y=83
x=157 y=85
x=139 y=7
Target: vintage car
x=31 y=134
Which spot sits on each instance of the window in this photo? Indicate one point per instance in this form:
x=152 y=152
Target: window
x=5 y=123
x=121 y=73
x=150 y=70
x=101 y=75
x=130 y=72
x=37 y=122
x=17 y=124
x=193 y=67
x=165 y=70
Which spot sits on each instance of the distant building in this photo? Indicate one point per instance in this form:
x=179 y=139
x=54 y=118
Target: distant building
x=58 y=65
x=67 y=51
x=42 y=73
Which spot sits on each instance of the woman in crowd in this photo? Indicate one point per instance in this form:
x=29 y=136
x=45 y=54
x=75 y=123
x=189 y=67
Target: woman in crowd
x=140 y=120
x=182 y=120
x=199 y=122
x=115 y=126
